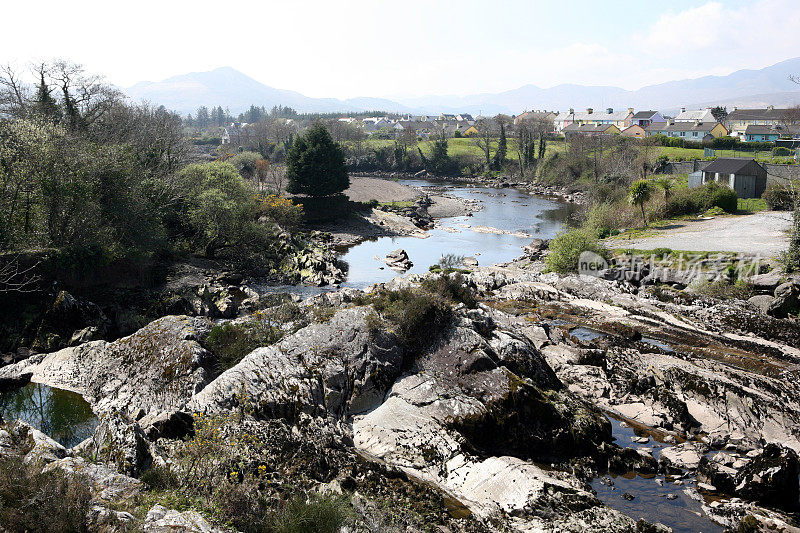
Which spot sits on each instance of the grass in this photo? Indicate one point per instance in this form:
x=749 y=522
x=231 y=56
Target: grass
x=674 y=152
x=398 y=204
x=751 y=205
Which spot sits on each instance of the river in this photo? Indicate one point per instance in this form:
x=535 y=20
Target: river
x=506 y=210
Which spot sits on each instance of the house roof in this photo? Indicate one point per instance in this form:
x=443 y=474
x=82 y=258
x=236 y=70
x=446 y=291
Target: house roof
x=756 y=114
x=729 y=165
x=682 y=126
x=644 y=115
x=600 y=115
x=777 y=129
x=588 y=128
x=695 y=114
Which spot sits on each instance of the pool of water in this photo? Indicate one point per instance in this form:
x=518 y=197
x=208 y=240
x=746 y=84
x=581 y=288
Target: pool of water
x=656 y=498
x=507 y=210
x=63 y=415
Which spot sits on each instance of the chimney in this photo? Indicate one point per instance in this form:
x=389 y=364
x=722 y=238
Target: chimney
x=735 y=108
x=571 y=111
x=697 y=122
x=630 y=110
x=683 y=110
x=770 y=107
x=610 y=110
x=589 y=110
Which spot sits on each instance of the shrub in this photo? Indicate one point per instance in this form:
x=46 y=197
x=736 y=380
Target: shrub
x=778 y=197
x=34 y=501
x=791 y=257
x=723 y=289
x=451 y=288
x=781 y=151
x=701 y=199
x=319 y=514
x=567 y=247
x=280 y=210
x=231 y=341
x=418 y=315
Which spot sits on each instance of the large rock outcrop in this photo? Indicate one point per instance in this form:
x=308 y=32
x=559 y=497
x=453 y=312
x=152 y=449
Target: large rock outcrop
x=160 y=367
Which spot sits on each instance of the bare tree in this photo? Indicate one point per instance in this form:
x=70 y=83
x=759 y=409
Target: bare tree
x=14 y=94
x=84 y=97
x=486 y=132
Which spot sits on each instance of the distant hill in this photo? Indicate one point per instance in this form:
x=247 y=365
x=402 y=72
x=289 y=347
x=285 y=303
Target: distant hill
x=228 y=87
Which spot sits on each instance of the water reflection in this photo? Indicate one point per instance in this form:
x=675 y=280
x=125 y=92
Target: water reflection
x=63 y=415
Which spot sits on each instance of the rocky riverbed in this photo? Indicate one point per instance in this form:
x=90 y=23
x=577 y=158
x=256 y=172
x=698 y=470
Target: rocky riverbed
x=489 y=414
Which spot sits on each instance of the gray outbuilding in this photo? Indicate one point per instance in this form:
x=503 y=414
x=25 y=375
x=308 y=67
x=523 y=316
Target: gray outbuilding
x=745 y=176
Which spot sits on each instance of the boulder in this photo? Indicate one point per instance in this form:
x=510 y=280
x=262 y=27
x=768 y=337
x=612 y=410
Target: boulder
x=167 y=425
x=762 y=302
x=470 y=262
x=398 y=260
x=717 y=471
x=70 y=320
x=765 y=282
x=685 y=456
x=535 y=248
x=787 y=300
x=771 y=478
x=161 y=520
x=338 y=367
x=40 y=447
x=121 y=441
x=106 y=483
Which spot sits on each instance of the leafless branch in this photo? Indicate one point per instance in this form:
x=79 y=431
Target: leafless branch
x=14 y=278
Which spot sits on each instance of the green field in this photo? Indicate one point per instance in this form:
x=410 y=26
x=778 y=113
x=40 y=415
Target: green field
x=468 y=146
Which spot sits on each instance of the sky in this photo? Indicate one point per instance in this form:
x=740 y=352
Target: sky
x=349 y=48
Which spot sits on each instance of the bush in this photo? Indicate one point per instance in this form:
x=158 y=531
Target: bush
x=778 y=197
x=723 y=289
x=566 y=248
x=232 y=341
x=319 y=514
x=280 y=210
x=781 y=151
x=34 y=501
x=700 y=200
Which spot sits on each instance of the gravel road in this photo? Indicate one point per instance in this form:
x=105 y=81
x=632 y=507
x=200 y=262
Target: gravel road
x=764 y=233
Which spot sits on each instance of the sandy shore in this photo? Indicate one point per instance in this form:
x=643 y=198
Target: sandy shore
x=366 y=189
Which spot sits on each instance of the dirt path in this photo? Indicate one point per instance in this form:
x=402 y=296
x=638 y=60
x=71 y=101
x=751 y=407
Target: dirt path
x=764 y=233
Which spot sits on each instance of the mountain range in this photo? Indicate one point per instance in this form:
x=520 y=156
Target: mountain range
x=230 y=88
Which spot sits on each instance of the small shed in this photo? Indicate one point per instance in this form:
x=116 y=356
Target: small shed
x=745 y=176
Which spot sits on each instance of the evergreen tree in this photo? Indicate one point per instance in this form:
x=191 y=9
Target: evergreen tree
x=45 y=105
x=202 y=117
x=502 y=148
x=315 y=164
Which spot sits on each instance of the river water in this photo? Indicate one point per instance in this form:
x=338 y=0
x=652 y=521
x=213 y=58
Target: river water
x=63 y=415
x=507 y=210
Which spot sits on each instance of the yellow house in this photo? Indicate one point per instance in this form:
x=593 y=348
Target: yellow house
x=690 y=131
x=472 y=130
x=634 y=131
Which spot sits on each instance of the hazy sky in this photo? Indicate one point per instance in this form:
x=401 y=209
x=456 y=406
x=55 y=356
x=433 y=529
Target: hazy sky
x=347 y=48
